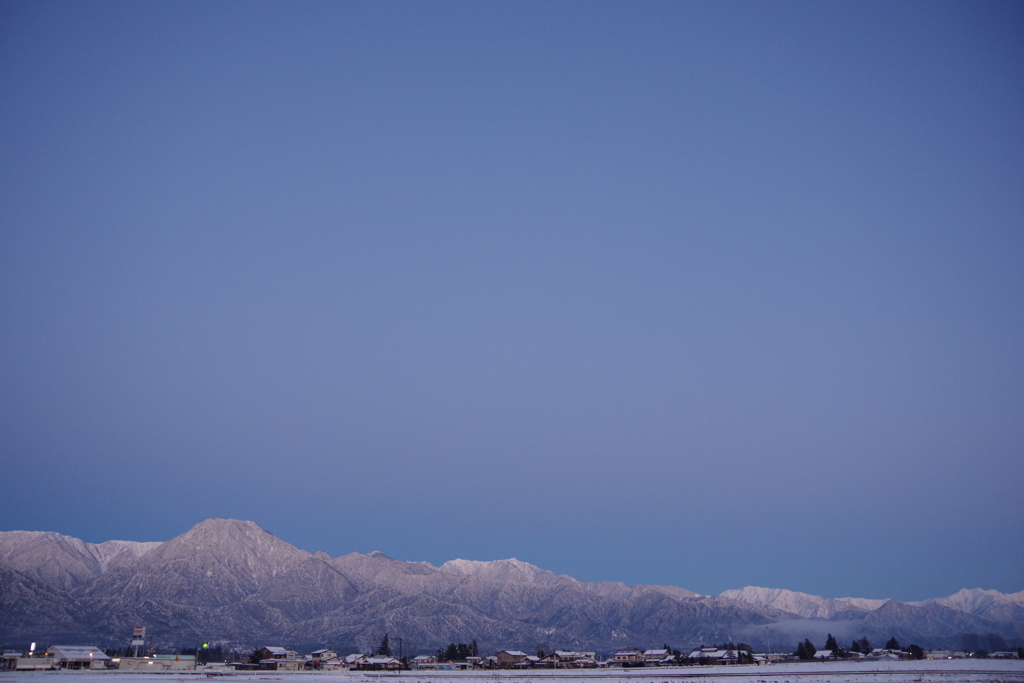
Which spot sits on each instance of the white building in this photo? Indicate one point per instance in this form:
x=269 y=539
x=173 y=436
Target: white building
x=79 y=657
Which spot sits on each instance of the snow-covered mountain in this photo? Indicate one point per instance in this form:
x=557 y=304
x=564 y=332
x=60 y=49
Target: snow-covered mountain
x=802 y=604
x=63 y=562
x=232 y=582
x=989 y=604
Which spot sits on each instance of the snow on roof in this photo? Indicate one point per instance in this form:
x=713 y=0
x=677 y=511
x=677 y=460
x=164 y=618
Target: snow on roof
x=78 y=652
x=513 y=653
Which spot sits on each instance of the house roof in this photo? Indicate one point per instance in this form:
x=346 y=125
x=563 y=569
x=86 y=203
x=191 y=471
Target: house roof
x=710 y=653
x=78 y=652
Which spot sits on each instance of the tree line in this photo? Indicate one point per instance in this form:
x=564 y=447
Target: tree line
x=806 y=650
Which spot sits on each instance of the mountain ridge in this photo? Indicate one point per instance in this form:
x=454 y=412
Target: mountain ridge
x=229 y=578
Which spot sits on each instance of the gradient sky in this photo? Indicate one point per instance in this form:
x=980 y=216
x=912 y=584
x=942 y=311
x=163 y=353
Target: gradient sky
x=700 y=294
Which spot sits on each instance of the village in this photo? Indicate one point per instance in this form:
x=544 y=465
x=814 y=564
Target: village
x=326 y=660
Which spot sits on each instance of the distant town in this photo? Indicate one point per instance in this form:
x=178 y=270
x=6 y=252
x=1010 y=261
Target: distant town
x=454 y=657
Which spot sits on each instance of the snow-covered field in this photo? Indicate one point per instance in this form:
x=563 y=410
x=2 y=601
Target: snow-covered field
x=954 y=671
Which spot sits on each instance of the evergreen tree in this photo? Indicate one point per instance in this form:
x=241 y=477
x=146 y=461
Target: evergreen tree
x=475 y=652
x=385 y=647
x=893 y=644
x=805 y=650
x=915 y=652
x=831 y=644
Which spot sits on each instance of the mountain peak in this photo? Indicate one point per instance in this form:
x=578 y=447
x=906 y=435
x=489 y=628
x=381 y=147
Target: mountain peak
x=979 y=601
x=501 y=570
x=218 y=525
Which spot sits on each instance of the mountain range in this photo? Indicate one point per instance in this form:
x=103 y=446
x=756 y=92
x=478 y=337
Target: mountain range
x=231 y=583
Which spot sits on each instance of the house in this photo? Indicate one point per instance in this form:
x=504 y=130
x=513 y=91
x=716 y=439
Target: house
x=712 y=655
x=892 y=655
x=424 y=662
x=510 y=658
x=79 y=657
x=272 y=652
x=658 y=656
x=329 y=664
x=326 y=653
x=324 y=660
x=353 y=661
x=283 y=664
x=632 y=656
x=380 y=663
x=568 y=659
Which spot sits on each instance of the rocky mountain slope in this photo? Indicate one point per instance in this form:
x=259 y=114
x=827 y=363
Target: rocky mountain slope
x=233 y=583
x=802 y=604
x=63 y=562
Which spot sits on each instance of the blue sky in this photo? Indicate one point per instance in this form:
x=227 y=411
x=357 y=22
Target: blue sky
x=700 y=294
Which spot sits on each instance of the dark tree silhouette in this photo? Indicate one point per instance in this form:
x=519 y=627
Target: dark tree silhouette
x=385 y=647
x=805 y=650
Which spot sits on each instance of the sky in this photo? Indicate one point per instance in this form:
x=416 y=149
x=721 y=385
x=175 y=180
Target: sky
x=704 y=294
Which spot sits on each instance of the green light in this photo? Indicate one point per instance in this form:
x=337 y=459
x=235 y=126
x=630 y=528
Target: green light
x=206 y=646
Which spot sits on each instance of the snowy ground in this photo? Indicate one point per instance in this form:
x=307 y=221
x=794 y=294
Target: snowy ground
x=955 y=671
